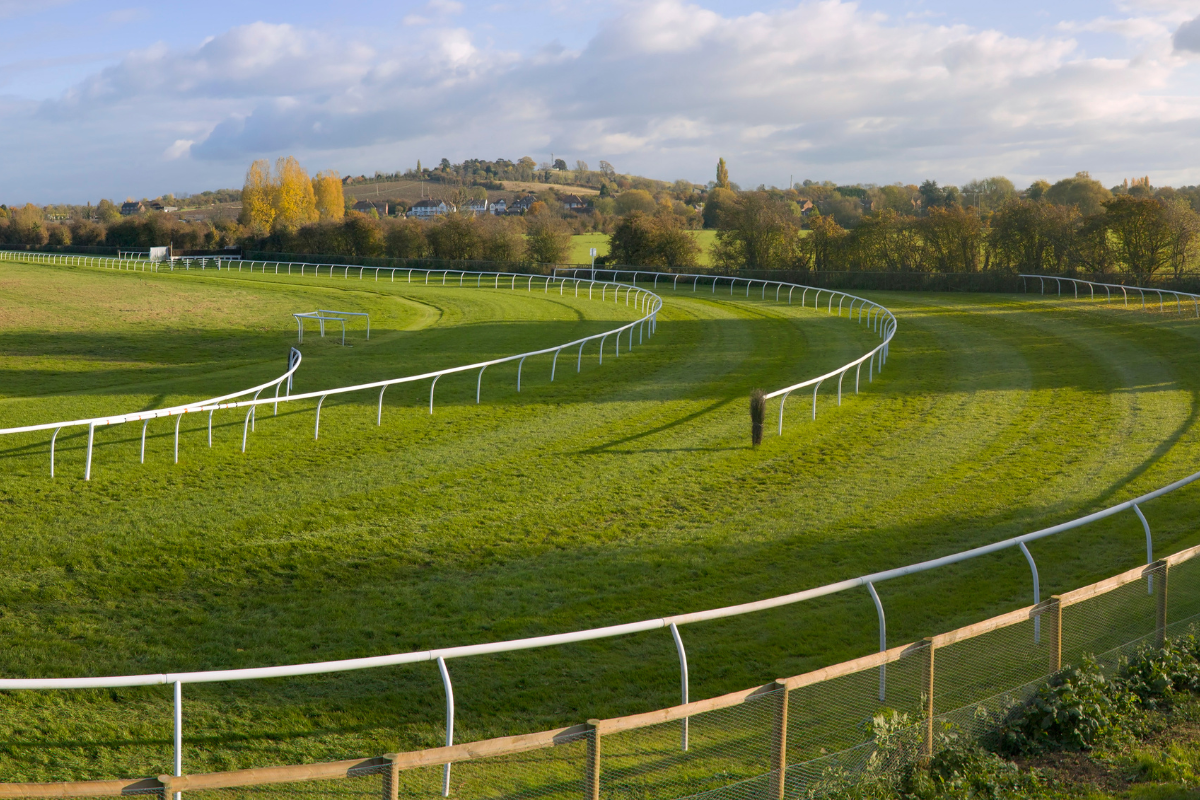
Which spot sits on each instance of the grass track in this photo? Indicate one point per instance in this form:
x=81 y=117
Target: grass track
x=625 y=492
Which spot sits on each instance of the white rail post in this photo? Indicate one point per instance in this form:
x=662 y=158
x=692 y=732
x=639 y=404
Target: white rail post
x=479 y=384
x=431 y=387
x=379 y=415
x=178 y=732
x=1149 y=547
x=178 y=420
x=142 y=457
x=317 y=427
x=882 y=640
x=1037 y=592
x=441 y=662
x=87 y=470
x=52 y=438
x=782 y=403
x=683 y=678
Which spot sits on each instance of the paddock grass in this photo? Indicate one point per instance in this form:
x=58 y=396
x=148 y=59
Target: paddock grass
x=624 y=492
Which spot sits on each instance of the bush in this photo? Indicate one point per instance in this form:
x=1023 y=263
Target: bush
x=1077 y=709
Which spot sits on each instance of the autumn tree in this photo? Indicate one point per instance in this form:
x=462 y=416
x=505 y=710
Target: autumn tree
x=722 y=174
x=547 y=239
x=295 y=201
x=258 y=197
x=759 y=232
x=330 y=202
x=406 y=239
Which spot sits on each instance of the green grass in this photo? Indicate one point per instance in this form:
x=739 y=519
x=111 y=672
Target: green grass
x=581 y=245
x=625 y=492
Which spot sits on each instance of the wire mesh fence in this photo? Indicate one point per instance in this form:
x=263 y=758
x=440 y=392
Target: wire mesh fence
x=851 y=728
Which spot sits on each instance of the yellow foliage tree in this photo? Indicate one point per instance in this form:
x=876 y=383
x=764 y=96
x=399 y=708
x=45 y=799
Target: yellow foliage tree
x=295 y=201
x=258 y=197
x=331 y=204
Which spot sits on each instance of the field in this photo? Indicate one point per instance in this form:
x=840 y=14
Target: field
x=581 y=244
x=624 y=492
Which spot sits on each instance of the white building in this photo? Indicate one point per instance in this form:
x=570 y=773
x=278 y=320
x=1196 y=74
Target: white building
x=428 y=209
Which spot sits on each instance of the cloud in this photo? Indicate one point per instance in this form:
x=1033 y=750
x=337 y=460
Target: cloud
x=1187 y=36
x=821 y=88
x=179 y=149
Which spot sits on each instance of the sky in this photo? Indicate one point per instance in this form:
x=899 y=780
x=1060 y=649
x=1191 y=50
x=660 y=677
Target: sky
x=107 y=100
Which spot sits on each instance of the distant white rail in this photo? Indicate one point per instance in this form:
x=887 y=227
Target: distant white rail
x=642 y=300
x=1108 y=288
x=879 y=319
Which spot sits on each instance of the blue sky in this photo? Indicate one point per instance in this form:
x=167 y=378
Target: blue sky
x=108 y=100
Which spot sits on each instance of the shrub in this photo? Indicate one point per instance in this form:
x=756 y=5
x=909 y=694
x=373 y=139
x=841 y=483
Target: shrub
x=1077 y=709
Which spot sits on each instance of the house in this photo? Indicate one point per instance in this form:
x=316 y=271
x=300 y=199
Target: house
x=132 y=207
x=367 y=206
x=806 y=208
x=476 y=207
x=500 y=207
x=572 y=202
x=154 y=205
x=523 y=204
x=428 y=209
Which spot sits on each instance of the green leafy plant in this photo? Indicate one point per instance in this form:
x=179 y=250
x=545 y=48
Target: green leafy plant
x=1078 y=708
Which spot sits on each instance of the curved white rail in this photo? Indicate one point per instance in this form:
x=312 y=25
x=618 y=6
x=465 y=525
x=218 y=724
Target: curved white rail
x=879 y=319
x=1108 y=287
x=671 y=623
x=645 y=301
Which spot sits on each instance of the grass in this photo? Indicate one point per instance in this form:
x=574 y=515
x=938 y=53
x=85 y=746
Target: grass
x=625 y=492
x=582 y=243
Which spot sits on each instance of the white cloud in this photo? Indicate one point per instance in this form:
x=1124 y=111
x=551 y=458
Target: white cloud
x=179 y=149
x=822 y=89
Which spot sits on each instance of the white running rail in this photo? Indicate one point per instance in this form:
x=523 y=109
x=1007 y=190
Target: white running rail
x=644 y=301
x=1108 y=291
x=439 y=656
x=879 y=319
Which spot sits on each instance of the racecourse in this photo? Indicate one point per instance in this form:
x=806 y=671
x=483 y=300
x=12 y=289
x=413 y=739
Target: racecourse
x=626 y=491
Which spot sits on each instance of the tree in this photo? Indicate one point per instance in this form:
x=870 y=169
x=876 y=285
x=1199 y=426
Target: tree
x=59 y=235
x=719 y=201
x=406 y=239
x=989 y=193
x=885 y=239
x=547 y=239
x=636 y=200
x=722 y=175
x=1037 y=190
x=107 y=212
x=330 y=201
x=258 y=206
x=1088 y=195
x=607 y=169
x=1142 y=233
x=761 y=232
x=559 y=164
x=1032 y=237
x=500 y=239
x=934 y=196
x=952 y=238
x=28 y=224
x=1184 y=226
x=454 y=238
x=824 y=241
x=295 y=203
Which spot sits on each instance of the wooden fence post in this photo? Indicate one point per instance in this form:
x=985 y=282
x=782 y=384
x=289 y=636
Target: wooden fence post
x=165 y=782
x=927 y=683
x=1053 y=618
x=593 y=760
x=391 y=778
x=779 y=765
x=1160 y=622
